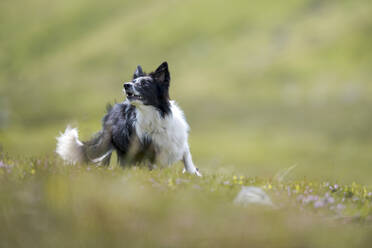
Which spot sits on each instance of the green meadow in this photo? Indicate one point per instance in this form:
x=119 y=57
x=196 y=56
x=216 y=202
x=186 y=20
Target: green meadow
x=268 y=87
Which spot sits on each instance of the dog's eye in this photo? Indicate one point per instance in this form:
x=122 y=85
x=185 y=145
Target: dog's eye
x=144 y=83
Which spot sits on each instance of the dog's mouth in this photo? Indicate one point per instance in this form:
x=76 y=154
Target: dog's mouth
x=132 y=96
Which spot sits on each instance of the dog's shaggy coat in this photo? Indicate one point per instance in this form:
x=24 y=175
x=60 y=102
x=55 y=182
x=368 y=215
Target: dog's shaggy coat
x=146 y=128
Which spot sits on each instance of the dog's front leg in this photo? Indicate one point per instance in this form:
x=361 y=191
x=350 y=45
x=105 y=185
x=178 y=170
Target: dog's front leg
x=189 y=165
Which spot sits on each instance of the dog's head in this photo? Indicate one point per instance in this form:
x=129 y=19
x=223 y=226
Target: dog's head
x=150 y=89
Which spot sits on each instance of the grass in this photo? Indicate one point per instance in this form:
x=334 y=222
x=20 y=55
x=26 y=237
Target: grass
x=45 y=203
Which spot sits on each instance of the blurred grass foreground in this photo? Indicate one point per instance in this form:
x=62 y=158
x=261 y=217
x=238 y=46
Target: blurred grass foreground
x=46 y=204
x=265 y=85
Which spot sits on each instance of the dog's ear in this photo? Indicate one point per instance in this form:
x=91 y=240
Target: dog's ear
x=138 y=72
x=161 y=74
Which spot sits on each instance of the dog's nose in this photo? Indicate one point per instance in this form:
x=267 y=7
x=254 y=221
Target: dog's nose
x=126 y=86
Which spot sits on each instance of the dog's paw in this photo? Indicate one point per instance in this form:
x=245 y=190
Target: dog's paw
x=197 y=172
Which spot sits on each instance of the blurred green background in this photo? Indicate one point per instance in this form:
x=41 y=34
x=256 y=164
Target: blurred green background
x=265 y=85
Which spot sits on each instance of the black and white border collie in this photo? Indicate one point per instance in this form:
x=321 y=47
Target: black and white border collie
x=147 y=128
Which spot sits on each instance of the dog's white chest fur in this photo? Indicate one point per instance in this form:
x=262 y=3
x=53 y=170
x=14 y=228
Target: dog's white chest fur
x=168 y=134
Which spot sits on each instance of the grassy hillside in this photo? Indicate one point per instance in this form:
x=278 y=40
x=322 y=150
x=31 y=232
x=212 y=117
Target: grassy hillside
x=265 y=85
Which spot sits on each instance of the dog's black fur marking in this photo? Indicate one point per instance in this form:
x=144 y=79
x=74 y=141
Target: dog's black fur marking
x=155 y=88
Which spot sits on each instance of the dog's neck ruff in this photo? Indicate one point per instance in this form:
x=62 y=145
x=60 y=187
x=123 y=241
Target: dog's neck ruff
x=149 y=120
x=168 y=133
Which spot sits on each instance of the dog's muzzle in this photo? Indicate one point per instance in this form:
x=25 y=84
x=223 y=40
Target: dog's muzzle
x=131 y=92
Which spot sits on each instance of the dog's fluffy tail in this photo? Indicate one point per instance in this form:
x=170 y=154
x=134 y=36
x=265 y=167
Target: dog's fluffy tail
x=97 y=150
x=69 y=147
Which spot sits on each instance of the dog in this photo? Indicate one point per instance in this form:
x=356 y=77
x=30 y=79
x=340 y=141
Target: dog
x=147 y=128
